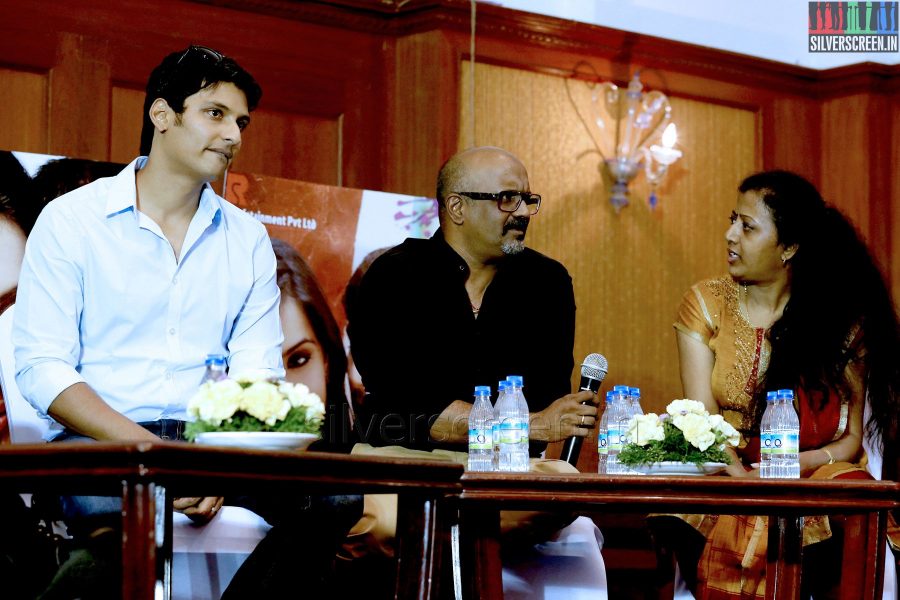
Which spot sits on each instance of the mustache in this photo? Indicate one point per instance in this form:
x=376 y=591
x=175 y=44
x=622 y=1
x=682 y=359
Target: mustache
x=520 y=223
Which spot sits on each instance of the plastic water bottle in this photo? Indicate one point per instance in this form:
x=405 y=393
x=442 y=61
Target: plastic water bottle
x=517 y=383
x=765 y=438
x=624 y=401
x=603 y=438
x=776 y=437
x=617 y=409
x=481 y=441
x=215 y=368
x=512 y=429
x=790 y=428
x=502 y=389
x=635 y=401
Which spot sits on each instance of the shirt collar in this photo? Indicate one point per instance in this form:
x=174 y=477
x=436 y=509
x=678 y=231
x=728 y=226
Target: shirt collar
x=123 y=193
x=447 y=255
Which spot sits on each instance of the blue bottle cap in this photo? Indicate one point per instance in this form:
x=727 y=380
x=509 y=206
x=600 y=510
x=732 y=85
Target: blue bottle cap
x=502 y=386
x=482 y=390
x=771 y=396
x=620 y=388
x=634 y=391
x=786 y=394
x=516 y=380
x=215 y=359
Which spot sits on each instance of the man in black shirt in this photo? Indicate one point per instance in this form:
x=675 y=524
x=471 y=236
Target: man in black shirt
x=467 y=307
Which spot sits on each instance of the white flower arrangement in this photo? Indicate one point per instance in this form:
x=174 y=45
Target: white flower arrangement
x=686 y=433
x=253 y=403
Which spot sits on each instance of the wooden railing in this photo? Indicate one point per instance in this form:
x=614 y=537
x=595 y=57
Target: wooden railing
x=149 y=475
x=784 y=501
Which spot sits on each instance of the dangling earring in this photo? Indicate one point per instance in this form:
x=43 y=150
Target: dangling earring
x=783 y=261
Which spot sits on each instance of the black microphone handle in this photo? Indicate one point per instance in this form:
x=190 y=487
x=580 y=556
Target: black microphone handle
x=572 y=446
x=571 y=449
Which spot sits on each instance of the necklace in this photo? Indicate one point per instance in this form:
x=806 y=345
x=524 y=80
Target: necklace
x=475 y=310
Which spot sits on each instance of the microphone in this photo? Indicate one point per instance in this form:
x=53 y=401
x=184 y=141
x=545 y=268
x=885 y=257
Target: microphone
x=593 y=371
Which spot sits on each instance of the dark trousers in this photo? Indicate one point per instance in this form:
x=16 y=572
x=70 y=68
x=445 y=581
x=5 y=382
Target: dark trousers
x=294 y=559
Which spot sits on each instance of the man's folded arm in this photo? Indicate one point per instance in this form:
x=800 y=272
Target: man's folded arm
x=79 y=408
x=49 y=304
x=256 y=337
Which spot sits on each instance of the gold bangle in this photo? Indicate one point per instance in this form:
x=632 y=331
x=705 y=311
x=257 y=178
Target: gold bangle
x=830 y=456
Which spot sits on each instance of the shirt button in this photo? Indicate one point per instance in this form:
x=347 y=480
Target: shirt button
x=171 y=331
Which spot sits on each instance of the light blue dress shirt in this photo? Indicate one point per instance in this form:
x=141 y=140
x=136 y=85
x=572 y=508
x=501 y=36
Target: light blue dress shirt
x=103 y=300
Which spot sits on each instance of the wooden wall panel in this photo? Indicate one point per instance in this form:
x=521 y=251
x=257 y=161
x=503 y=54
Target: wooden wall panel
x=423 y=83
x=126 y=122
x=23 y=118
x=859 y=180
x=845 y=174
x=293 y=146
x=791 y=136
x=630 y=268
x=79 y=102
x=893 y=267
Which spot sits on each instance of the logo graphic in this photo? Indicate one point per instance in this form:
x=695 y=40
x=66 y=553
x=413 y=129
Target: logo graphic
x=853 y=27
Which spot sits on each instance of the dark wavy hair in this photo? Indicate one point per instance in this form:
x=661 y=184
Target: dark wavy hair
x=17 y=201
x=62 y=175
x=836 y=286
x=297 y=280
x=186 y=72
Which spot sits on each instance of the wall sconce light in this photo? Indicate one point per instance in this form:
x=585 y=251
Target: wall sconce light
x=629 y=124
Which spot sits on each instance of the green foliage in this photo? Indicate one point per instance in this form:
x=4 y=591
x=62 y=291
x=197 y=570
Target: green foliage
x=673 y=447
x=294 y=422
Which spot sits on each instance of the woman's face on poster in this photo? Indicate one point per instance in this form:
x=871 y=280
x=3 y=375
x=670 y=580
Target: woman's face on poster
x=12 y=248
x=304 y=360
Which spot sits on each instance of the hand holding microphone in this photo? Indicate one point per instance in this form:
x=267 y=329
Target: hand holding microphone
x=593 y=371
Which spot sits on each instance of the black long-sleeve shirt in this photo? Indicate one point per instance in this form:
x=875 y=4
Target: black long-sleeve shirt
x=419 y=347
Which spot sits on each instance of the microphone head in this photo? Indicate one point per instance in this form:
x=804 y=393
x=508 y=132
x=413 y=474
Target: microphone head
x=594 y=366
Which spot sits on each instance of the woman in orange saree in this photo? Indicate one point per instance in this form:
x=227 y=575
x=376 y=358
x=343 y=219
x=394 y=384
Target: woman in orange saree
x=805 y=308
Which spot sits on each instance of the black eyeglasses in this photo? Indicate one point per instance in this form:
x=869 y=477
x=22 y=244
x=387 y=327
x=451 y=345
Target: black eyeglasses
x=508 y=200
x=202 y=51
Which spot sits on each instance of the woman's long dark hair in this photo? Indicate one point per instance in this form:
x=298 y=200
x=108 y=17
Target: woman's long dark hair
x=836 y=287
x=297 y=280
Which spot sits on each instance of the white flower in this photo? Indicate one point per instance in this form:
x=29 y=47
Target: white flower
x=696 y=429
x=215 y=402
x=300 y=397
x=684 y=407
x=643 y=429
x=724 y=431
x=263 y=401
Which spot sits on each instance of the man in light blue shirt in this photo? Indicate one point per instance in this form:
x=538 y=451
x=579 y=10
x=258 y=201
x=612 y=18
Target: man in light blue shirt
x=131 y=281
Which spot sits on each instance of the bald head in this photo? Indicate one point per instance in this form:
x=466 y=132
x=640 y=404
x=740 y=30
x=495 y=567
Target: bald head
x=461 y=171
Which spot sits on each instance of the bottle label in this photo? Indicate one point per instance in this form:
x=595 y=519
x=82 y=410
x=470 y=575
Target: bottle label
x=765 y=443
x=480 y=439
x=513 y=432
x=602 y=443
x=777 y=443
x=792 y=443
x=614 y=440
